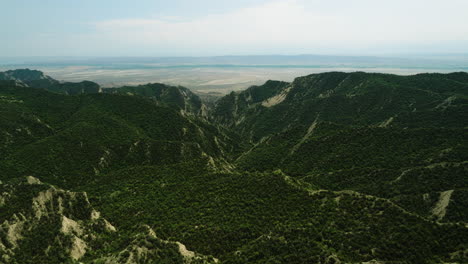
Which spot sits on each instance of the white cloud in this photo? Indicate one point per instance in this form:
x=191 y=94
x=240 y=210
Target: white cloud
x=289 y=26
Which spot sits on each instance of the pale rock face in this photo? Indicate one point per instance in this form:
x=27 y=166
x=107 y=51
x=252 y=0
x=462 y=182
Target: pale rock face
x=277 y=99
x=40 y=202
x=32 y=180
x=70 y=226
x=78 y=248
x=139 y=252
x=440 y=209
x=309 y=132
x=14 y=232
x=108 y=226
x=387 y=122
x=184 y=251
x=50 y=204
x=446 y=103
x=95 y=215
x=75 y=235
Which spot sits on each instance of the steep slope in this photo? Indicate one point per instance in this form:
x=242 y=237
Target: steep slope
x=352 y=99
x=338 y=168
x=381 y=134
x=25 y=75
x=178 y=97
x=272 y=218
x=232 y=109
x=69 y=229
x=80 y=137
x=38 y=79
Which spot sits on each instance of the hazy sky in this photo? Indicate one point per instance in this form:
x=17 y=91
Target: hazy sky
x=238 y=27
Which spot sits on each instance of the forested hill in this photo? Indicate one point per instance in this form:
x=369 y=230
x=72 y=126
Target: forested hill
x=79 y=137
x=399 y=137
x=350 y=99
x=330 y=168
x=38 y=79
x=177 y=97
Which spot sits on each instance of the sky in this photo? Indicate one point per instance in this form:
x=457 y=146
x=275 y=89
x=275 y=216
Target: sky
x=241 y=27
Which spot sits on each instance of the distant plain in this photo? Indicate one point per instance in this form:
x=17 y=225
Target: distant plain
x=225 y=73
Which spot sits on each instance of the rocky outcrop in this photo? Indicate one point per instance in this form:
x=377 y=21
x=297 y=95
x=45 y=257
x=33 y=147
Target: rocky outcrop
x=40 y=222
x=147 y=247
x=32 y=207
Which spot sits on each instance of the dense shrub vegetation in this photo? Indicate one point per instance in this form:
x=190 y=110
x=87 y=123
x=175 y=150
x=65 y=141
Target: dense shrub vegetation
x=333 y=167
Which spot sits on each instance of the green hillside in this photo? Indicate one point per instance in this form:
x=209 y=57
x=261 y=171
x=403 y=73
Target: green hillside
x=38 y=79
x=45 y=224
x=330 y=168
x=79 y=137
x=271 y=218
x=179 y=97
x=398 y=137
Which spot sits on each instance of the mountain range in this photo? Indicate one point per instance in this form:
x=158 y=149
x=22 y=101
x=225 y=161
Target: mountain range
x=329 y=168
